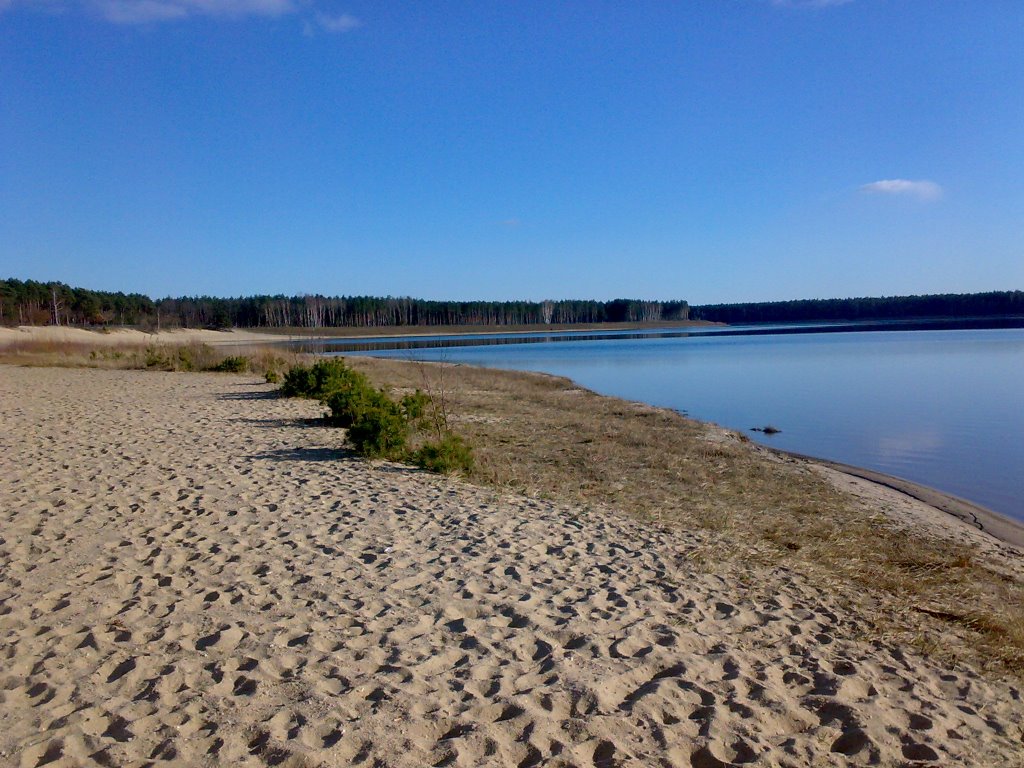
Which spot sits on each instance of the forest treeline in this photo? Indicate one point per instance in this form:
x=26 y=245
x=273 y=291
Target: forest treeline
x=991 y=304
x=35 y=303
x=30 y=302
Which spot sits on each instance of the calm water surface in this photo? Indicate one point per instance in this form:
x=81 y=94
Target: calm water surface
x=940 y=407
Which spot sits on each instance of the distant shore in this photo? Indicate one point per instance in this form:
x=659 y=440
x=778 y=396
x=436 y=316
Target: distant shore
x=415 y=331
x=116 y=336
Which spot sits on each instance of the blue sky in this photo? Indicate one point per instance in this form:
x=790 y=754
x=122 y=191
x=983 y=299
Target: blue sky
x=709 y=150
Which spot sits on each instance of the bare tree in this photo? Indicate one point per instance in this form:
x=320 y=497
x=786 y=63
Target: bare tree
x=547 y=311
x=437 y=397
x=58 y=305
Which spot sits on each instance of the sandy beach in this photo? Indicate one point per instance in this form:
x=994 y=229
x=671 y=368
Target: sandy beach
x=127 y=337
x=192 y=573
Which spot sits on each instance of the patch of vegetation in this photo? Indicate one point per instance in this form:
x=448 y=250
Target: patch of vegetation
x=379 y=429
x=298 y=382
x=447 y=455
x=378 y=426
x=231 y=364
x=319 y=381
x=187 y=357
x=154 y=355
x=157 y=358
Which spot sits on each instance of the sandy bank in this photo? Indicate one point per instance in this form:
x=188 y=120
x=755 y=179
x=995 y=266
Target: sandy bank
x=126 y=337
x=967 y=512
x=130 y=337
x=192 y=573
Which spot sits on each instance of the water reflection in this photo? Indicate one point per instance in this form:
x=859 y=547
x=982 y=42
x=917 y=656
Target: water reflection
x=440 y=341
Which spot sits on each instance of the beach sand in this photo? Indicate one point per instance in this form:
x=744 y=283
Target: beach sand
x=192 y=573
x=127 y=337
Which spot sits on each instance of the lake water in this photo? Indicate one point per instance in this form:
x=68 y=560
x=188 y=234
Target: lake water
x=939 y=407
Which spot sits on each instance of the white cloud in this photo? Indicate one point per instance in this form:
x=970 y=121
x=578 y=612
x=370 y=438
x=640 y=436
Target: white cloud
x=153 y=11
x=139 y=11
x=340 y=23
x=809 y=3
x=46 y=6
x=922 y=190
x=143 y=11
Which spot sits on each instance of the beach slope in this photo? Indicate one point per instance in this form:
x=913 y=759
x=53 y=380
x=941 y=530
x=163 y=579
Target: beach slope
x=193 y=572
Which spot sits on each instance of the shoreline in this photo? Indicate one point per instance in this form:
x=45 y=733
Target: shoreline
x=997 y=525
x=988 y=521
x=421 y=331
x=236 y=336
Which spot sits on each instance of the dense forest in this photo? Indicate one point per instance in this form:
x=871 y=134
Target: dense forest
x=992 y=304
x=34 y=303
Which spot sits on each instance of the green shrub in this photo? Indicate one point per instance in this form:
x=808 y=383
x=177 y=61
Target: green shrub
x=298 y=382
x=321 y=380
x=271 y=377
x=379 y=428
x=232 y=364
x=157 y=358
x=332 y=375
x=184 y=359
x=346 y=404
x=415 y=406
x=447 y=455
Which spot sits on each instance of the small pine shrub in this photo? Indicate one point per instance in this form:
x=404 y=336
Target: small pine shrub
x=184 y=359
x=346 y=405
x=321 y=380
x=156 y=358
x=298 y=382
x=333 y=375
x=379 y=428
x=232 y=364
x=415 y=406
x=447 y=455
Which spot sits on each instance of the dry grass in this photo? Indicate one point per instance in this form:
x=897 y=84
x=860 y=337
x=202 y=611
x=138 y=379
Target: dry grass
x=191 y=356
x=544 y=436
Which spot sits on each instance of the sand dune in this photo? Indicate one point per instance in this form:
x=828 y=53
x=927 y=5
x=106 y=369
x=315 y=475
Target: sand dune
x=117 y=337
x=190 y=574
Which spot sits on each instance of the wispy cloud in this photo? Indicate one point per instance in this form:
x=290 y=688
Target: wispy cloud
x=920 y=190
x=46 y=6
x=140 y=11
x=155 y=11
x=340 y=23
x=809 y=3
x=147 y=11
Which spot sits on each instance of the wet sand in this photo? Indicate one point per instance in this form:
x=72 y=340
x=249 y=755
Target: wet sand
x=974 y=515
